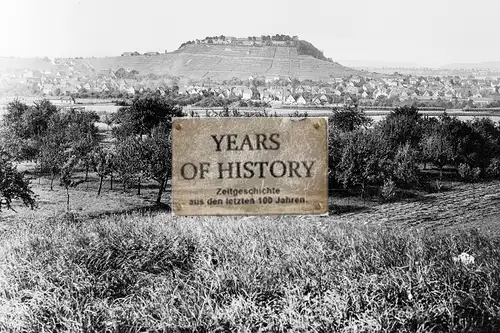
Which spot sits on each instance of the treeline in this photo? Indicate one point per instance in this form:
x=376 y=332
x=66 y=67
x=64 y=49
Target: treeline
x=392 y=153
x=62 y=142
x=306 y=48
x=384 y=101
x=386 y=156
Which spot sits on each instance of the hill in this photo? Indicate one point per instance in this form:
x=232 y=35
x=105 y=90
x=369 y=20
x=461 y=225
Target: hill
x=204 y=61
x=224 y=62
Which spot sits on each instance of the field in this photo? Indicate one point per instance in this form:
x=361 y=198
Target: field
x=113 y=264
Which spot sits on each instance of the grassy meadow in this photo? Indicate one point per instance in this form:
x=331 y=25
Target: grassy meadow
x=143 y=271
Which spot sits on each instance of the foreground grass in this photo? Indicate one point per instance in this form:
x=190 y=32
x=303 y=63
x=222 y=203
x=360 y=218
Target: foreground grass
x=156 y=273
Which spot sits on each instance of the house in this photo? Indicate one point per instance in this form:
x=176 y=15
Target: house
x=290 y=100
x=379 y=92
x=278 y=94
x=316 y=101
x=27 y=73
x=265 y=95
x=237 y=91
x=352 y=90
x=47 y=88
x=130 y=90
x=279 y=43
x=67 y=100
x=247 y=94
x=449 y=94
x=191 y=91
x=226 y=91
x=301 y=100
x=394 y=93
x=481 y=101
x=161 y=91
x=356 y=79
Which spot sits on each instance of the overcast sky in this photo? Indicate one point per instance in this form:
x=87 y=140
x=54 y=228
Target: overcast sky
x=424 y=32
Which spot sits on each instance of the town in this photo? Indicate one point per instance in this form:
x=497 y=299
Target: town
x=64 y=86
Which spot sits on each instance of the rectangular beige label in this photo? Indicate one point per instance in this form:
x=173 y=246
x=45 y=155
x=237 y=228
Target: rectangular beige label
x=249 y=166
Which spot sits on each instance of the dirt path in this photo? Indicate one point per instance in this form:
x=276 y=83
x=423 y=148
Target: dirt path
x=468 y=205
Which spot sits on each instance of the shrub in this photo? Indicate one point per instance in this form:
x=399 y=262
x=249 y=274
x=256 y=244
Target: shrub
x=467 y=173
x=494 y=168
x=388 y=190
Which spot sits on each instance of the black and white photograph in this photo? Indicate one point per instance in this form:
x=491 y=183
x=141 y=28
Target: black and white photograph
x=249 y=166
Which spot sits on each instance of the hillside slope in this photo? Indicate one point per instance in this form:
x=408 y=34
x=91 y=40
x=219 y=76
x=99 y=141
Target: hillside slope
x=223 y=62
x=199 y=61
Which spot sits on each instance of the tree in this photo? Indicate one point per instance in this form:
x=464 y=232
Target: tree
x=401 y=126
x=53 y=148
x=144 y=114
x=26 y=126
x=350 y=118
x=103 y=162
x=82 y=135
x=13 y=185
x=485 y=141
x=158 y=157
x=437 y=149
x=494 y=168
x=65 y=179
x=129 y=160
x=364 y=159
x=405 y=165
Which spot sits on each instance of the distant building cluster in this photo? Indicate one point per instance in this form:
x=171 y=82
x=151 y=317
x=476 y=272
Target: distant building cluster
x=277 y=40
x=66 y=77
x=361 y=89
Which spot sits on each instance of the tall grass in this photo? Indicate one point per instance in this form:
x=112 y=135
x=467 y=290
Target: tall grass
x=157 y=273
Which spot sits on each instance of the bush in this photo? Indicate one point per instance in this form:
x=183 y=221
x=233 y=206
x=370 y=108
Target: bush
x=494 y=168
x=388 y=190
x=13 y=185
x=467 y=173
